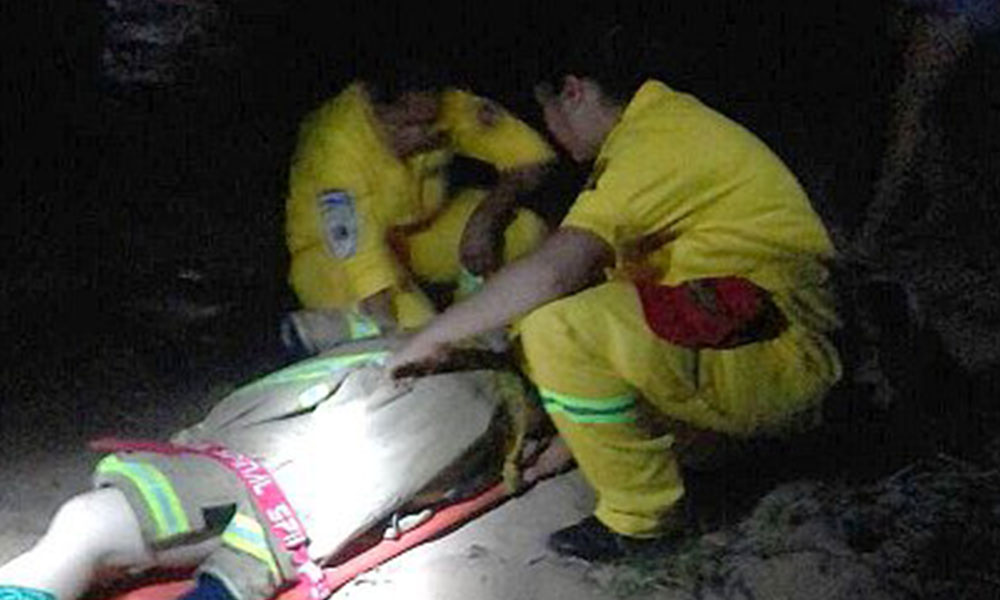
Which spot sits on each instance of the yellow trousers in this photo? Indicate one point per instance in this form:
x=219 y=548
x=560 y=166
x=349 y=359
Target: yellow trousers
x=318 y=278
x=612 y=387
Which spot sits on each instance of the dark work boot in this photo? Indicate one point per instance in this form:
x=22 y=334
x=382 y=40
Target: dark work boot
x=592 y=540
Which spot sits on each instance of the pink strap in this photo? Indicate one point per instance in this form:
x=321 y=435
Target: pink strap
x=444 y=520
x=265 y=492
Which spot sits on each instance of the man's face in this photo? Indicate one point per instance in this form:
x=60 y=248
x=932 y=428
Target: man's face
x=409 y=123
x=565 y=121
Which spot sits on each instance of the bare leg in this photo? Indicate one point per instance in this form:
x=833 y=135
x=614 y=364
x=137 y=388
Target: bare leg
x=92 y=531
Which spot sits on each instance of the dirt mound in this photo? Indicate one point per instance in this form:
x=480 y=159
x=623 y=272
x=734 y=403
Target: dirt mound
x=928 y=531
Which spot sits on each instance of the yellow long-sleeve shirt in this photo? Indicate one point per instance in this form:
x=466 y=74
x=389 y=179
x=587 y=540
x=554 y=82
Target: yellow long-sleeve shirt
x=342 y=164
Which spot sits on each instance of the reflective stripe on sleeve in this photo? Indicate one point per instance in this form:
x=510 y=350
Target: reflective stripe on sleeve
x=164 y=505
x=245 y=534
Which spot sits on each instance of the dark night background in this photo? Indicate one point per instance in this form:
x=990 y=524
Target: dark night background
x=105 y=179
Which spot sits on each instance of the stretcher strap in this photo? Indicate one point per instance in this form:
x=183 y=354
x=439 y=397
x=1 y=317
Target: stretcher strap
x=281 y=519
x=337 y=576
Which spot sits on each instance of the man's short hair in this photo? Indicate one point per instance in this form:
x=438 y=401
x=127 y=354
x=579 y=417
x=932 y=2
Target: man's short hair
x=618 y=58
x=390 y=79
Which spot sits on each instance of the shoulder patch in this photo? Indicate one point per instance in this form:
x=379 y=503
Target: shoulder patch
x=489 y=113
x=339 y=221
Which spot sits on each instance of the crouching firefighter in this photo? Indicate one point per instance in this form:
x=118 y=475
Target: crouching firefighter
x=684 y=295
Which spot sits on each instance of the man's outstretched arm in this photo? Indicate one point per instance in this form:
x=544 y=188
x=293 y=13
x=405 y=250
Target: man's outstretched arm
x=568 y=261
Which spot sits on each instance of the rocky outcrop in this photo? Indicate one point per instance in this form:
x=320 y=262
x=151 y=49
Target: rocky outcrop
x=164 y=42
x=928 y=531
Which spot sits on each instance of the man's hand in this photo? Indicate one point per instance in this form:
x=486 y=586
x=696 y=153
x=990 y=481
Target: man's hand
x=417 y=356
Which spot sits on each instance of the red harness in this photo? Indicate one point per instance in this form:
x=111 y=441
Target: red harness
x=265 y=492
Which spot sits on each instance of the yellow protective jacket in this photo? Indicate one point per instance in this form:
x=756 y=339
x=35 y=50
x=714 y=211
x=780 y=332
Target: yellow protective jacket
x=341 y=149
x=681 y=192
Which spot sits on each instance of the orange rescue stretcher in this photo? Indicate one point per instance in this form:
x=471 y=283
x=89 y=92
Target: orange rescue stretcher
x=442 y=521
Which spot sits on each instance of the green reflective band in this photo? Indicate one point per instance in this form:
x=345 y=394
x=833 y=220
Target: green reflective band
x=13 y=592
x=246 y=535
x=361 y=326
x=161 y=500
x=320 y=366
x=588 y=410
x=602 y=404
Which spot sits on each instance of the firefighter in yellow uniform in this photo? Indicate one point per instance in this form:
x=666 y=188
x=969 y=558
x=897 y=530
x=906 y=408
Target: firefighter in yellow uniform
x=369 y=215
x=713 y=313
x=736 y=211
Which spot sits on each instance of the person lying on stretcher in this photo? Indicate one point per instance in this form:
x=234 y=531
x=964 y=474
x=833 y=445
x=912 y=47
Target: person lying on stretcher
x=334 y=437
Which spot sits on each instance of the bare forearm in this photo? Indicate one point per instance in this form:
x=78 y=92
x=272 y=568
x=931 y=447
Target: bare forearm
x=495 y=212
x=481 y=249
x=522 y=179
x=504 y=298
x=566 y=263
x=502 y=198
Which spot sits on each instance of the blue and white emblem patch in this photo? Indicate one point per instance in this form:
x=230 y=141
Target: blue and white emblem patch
x=340 y=222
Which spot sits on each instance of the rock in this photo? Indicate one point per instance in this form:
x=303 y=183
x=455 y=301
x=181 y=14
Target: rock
x=816 y=575
x=162 y=42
